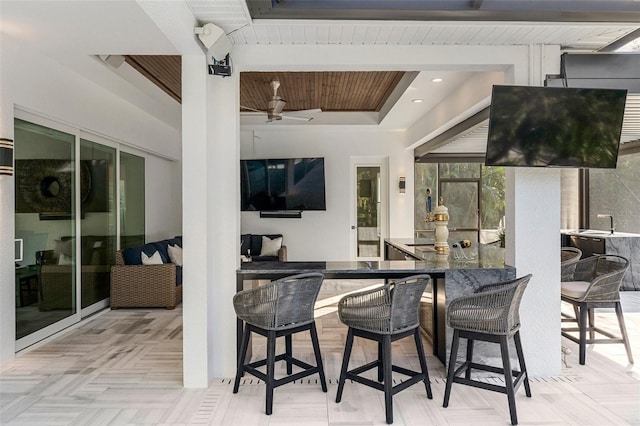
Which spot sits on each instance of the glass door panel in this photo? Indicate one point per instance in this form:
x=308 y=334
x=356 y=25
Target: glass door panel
x=369 y=239
x=45 y=205
x=132 y=211
x=461 y=198
x=98 y=224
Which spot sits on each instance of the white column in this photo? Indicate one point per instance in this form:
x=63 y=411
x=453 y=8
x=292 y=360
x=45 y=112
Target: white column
x=7 y=234
x=223 y=196
x=196 y=221
x=533 y=246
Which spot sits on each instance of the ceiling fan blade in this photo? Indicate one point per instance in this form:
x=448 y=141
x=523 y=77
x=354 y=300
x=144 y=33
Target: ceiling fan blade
x=291 y=117
x=306 y=111
x=252 y=109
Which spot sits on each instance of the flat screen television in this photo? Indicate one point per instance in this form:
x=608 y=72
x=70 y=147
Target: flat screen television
x=282 y=184
x=554 y=127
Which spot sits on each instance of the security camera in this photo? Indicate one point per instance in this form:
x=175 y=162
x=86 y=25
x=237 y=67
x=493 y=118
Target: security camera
x=215 y=40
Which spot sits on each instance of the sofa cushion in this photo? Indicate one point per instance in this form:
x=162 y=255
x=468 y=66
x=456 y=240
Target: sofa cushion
x=270 y=246
x=256 y=242
x=161 y=247
x=245 y=243
x=175 y=254
x=154 y=259
x=133 y=255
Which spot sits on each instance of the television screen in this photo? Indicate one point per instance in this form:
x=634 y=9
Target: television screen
x=554 y=127
x=282 y=184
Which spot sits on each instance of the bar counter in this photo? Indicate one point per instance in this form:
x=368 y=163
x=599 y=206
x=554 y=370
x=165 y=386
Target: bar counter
x=453 y=275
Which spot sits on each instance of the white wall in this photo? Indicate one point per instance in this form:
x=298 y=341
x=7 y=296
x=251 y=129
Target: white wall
x=163 y=193
x=326 y=235
x=34 y=83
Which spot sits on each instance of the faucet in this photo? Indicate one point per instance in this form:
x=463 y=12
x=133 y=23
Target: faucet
x=601 y=216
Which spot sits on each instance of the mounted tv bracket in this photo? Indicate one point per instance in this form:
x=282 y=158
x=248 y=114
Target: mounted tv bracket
x=218 y=46
x=284 y=214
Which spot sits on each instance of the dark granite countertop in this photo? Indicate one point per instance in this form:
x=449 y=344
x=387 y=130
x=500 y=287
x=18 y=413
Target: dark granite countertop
x=474 y=257
x=597 y=233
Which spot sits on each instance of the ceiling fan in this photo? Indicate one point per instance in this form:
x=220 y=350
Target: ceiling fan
x=276 y=106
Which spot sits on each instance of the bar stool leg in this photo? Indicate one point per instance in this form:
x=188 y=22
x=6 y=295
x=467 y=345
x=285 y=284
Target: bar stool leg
x=316 y=351
x=592 y=323
x=241 y=357
x=271 y=359
x=380 y=372
x=508 y=378
x=623 y=330
x=467 y=373
x=345 y=364
x=523 y=367
x=289 y=352
x=388 y=380
x=452 y=367
x=583 y=333
x=423 y=363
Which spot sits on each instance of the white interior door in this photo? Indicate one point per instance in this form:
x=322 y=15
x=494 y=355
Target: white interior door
x=369 y=208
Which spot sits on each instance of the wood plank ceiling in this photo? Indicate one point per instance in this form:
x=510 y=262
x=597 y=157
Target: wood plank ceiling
x=329 y=91
x=163 y=71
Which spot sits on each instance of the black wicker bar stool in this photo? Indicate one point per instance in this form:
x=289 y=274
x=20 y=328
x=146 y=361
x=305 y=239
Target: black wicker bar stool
x=280 y=308
x=491 y=314
x=384 y=314
x=594 y=283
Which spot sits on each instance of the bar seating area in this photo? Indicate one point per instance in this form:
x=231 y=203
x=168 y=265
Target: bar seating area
x=131 y=361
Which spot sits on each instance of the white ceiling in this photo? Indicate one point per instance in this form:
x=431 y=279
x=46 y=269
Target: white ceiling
x=73 y=32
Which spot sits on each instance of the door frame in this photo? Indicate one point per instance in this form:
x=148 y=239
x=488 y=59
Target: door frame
x=368 y=161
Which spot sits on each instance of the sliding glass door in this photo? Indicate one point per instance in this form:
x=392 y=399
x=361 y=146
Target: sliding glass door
x=45 y=227
x=98 y=224
x=66 y=222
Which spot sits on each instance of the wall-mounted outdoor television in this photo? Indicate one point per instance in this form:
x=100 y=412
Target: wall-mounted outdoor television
x=282 y=184
x=554 y=127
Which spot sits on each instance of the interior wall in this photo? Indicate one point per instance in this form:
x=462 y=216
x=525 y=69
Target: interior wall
x=37 y=84
x=326 y=235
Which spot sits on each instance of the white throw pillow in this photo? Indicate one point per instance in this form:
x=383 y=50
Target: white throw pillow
x=270 y=247
x=175 y=254
x=63 y=259
x=155 y=259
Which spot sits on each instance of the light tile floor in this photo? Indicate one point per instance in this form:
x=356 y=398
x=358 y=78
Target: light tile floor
x=125 y=368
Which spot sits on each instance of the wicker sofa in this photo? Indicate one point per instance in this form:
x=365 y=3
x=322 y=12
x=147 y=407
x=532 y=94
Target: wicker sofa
x=135 y=285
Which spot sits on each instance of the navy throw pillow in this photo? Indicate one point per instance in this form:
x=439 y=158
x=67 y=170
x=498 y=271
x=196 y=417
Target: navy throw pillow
x=132 y=256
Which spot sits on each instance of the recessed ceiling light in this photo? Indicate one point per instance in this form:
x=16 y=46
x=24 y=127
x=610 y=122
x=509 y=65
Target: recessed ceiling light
x=436 y=80
x=417 y=101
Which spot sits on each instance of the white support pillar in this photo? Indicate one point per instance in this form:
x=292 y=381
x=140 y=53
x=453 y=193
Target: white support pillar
x=533 y=246
x=196 y=221
x=223 y=195
x=7 y=235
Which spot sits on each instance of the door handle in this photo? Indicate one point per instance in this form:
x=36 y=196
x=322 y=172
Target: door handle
x=353 y=227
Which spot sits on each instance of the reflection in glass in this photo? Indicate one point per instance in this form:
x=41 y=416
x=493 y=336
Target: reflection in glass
x=368 y=211
x=45 y=177
x=132 y=209
x=98 y=225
